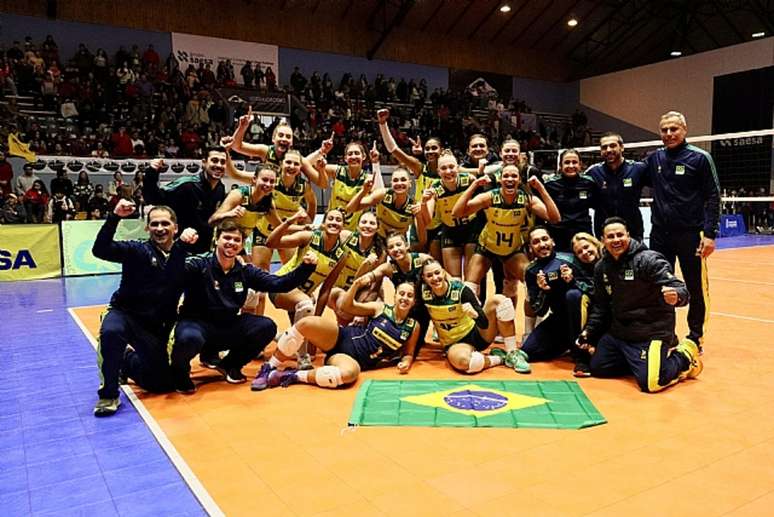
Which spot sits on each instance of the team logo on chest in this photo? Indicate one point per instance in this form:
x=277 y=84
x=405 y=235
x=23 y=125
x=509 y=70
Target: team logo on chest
x=679 y=170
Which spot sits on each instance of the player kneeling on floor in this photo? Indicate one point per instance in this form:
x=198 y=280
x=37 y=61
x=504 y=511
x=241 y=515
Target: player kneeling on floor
x=466 y=329
x=390 y=334
x=632 y=319
x=216 y=285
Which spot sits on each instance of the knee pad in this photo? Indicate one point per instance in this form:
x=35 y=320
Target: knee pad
x=473 y=287
x=303 y=309
x=510 y=287
x=505 y=310
x=477 y=362
x=328 y=376
x=290 y=341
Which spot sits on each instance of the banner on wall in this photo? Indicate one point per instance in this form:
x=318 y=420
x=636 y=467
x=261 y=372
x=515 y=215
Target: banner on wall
x=192 y=50
x=29 y=252
x=78 y=238
x=51 y=164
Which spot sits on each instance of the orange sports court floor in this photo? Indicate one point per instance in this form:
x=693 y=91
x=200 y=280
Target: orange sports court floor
x=703 y=447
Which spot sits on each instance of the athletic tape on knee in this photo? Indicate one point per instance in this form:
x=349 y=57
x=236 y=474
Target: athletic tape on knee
x=473 y=287
x=510 y=287
x=328 y=377
x=477 y=362
x=290 y=341
x=389 y=141
x=303 y=309
x=505 y=310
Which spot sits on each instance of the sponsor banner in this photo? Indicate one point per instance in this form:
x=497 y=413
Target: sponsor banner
x=29 y=252
x=78 y=238
x=192 y=50
x=172 y=167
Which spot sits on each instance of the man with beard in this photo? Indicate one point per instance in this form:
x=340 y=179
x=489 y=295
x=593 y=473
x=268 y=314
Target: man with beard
x=134 y=331
x=548 y=287
x=216 y=285
x=193 y=198
x=632 y=319
x=620 y=183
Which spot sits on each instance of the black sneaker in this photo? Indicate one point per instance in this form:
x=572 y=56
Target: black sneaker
x=233 y=375
x=582 y=369
x=184 y=385
x=208 y=361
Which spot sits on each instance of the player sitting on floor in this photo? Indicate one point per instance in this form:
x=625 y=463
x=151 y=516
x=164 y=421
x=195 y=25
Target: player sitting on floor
x=390 y=334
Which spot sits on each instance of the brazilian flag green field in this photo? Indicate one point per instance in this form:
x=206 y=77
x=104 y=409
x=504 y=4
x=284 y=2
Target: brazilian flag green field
x=536 y=404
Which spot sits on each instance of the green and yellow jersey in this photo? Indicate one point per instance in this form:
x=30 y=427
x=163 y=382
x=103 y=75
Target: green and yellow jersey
x=445 y=200
x=287 y=200
x=449 y=319
x=504 y=230
x=391 y=217
x=255 y=213
x=424 y=182
x=326 y=261
x=344 y=189
x=353 y=261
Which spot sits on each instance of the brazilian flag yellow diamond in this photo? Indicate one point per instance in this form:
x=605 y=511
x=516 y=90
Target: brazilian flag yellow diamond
x=474 y=400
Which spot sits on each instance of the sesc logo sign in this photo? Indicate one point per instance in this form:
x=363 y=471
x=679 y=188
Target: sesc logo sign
x=23 y=258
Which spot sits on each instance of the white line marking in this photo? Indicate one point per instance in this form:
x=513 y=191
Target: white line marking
x=209 y=504
x=41 y=311
x=752 y=282
x=740 y=317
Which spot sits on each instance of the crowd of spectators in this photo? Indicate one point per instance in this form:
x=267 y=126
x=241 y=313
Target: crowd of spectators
x=136 y=104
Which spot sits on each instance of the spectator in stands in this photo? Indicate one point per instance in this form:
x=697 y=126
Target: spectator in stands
x=36 y=202
x=150 y=58
x=100 y=65
x=13 y=211
x=82 y=191
x=25 y=181
x=6 y=175
x=98 y=204
x=61 y=183
x=115 y=183
x=247 y=74
x=271 y=79
x=260 y=77
x=100 y=151
x=297 y=81
x=7 y=83
x=121 y=142
x=15 y=53
x=83 y=60
x=60 y=208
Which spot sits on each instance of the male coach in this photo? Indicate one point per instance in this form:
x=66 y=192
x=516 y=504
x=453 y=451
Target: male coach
x=685 y=213
x=620 y=184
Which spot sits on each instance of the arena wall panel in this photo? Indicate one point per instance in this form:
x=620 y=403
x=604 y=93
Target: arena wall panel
x=639 y=95
x=29 y=252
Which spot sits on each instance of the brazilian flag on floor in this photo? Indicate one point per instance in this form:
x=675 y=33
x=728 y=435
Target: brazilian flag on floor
x=540 y=404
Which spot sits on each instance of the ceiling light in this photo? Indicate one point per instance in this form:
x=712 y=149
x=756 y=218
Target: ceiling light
x=505 y=8
x=676 y=53
x=758 y=34
x=572 y=22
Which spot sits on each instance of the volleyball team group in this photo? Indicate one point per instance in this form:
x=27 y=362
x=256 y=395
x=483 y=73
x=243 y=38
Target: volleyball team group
x=406 y=264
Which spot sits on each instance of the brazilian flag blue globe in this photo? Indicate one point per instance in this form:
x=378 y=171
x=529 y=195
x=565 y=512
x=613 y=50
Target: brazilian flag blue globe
x=426 y=403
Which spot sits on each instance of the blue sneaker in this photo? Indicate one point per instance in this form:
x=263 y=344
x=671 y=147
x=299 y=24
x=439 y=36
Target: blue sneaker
x=282 y=378
x=261 y=381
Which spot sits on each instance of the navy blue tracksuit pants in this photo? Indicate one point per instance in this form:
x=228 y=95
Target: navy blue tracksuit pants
x=244 y=337
x=147 y=365
x=652 y=364
x=682 y=244
x=557 y=333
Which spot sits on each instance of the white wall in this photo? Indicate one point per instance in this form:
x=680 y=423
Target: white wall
x=640 y=95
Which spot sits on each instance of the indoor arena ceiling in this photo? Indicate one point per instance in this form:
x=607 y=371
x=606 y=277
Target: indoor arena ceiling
x=610 y=35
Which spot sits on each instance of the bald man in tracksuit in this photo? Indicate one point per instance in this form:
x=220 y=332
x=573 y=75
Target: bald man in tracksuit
x=685 y=212
x=632 y=317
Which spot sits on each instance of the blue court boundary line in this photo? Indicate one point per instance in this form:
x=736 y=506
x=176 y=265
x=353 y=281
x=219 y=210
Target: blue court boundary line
x=196 y=486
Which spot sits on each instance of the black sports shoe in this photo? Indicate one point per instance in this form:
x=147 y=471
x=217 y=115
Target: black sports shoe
x=582 y=369
x=208 y=361
x=232 y=375
x=184 y=385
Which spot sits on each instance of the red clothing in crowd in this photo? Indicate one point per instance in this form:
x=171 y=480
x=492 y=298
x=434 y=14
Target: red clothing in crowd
x=36 y=197
x=122 y=144
x=6 y=177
